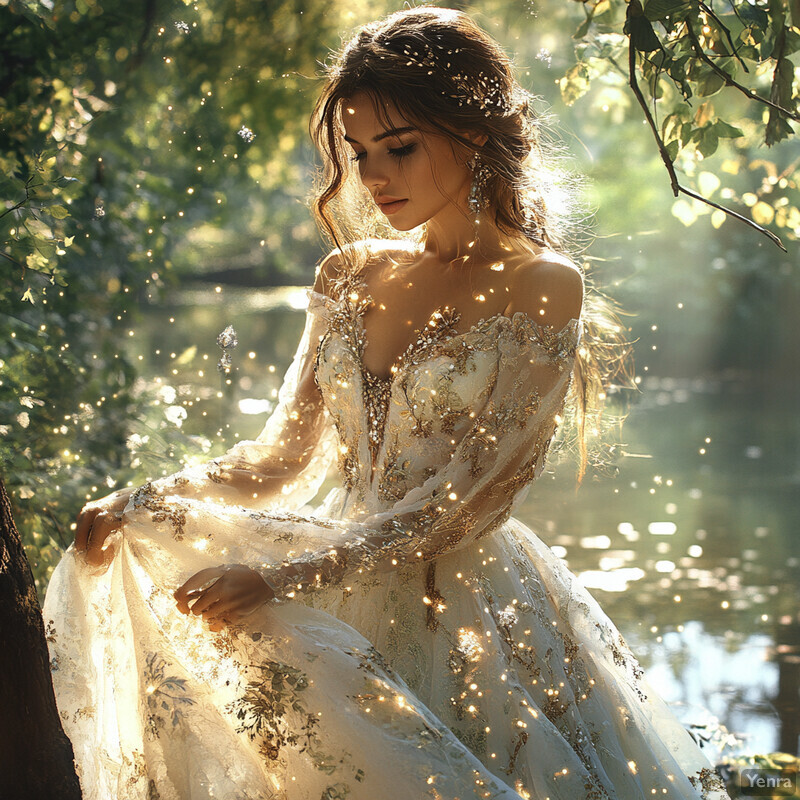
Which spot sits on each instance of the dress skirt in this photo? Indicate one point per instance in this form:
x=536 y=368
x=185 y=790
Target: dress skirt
x=488 y=672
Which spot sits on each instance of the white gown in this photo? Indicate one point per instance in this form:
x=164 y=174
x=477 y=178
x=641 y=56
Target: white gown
x=436 y=648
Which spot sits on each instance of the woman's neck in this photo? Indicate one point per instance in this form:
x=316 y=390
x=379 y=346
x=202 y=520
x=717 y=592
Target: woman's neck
x=455 y=239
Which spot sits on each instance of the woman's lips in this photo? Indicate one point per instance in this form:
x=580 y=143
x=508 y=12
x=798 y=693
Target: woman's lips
x=390 y=208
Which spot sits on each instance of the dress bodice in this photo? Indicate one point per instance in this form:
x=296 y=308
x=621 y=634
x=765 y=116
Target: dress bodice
x=396 y=432
x=438 y=454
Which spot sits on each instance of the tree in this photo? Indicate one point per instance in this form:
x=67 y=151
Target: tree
x=674 y=51
x=36 y=759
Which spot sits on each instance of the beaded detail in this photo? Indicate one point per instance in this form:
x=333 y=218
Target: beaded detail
x=377 y=394
x=378 y=390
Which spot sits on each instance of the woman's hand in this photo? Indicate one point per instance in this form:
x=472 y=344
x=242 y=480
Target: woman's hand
x=236 y=592
x=97 y=521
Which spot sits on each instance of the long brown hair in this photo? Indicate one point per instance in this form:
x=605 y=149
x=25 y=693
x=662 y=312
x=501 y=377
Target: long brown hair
x=445 y=74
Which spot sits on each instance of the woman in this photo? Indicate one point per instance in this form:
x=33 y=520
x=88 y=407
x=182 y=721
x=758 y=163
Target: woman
x=407 y=637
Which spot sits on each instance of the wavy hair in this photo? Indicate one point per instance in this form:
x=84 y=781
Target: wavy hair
x=446 y=75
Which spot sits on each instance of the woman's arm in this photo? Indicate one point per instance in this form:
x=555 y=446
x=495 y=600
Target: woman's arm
x=284 y=463
x=502 y=453
x=473 y=493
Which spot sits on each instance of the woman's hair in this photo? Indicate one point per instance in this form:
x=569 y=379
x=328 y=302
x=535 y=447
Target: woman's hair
x=444 y=74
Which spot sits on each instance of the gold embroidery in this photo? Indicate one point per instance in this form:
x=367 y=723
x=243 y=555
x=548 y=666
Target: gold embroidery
x=377 y=394
x=164 y=695
x=378 y=390
x=522 y=738
x=708 y=781
x=396 y=474
x=263 y=708
x=433 y=599
x=160 y=510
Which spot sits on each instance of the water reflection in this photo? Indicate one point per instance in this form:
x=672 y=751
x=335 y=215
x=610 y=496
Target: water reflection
x=689 y=548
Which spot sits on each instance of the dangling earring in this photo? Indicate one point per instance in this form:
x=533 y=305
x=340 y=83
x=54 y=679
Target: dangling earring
x=480 y=177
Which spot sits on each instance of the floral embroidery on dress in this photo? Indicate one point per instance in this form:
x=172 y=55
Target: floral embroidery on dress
x=269 y=696
x=165 y=695
x=160 y=510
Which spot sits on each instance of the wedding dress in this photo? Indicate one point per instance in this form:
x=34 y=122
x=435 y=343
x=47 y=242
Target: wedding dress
x=425 y=643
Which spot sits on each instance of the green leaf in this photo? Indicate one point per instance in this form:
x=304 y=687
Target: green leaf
x=756 y=16
x=708 y=83
x=59 y=212
x=792 y=44
x=676 y=71
x=583 y=29
x=672 y=149
x=726 y=131
x=642 y=35
x=709 y=142
x=777 y=129
x=781 y=93
x=661 y=9
x=575 y=83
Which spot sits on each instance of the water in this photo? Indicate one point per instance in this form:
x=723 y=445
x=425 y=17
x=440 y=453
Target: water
x=689 y=548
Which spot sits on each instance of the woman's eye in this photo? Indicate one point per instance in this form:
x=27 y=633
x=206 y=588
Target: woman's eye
x=395 y=152
x=401 y=152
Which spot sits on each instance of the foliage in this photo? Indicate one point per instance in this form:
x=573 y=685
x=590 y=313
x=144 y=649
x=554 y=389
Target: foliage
x=678 y=54
x=143 y=145
x=122 y=139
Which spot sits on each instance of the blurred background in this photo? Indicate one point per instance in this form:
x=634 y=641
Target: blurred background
x=163 y=151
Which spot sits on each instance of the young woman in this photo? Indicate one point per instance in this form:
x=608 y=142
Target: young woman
x=408 y=637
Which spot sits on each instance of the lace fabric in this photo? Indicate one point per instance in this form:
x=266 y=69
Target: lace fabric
x=475 y=489
x=426 y=643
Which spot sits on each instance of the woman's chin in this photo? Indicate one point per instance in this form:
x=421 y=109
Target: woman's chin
x=405 y=225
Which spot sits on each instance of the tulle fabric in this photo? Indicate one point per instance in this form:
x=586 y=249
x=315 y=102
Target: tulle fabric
x=426 y=643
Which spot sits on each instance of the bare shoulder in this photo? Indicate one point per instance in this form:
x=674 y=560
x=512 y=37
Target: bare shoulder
x=548 y=287
x=375 y=253
x=328 y=271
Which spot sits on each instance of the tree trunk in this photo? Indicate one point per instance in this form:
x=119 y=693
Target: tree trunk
x=36 y=758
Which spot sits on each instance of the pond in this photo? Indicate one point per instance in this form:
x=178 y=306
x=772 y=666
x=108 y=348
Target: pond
x=690 y=548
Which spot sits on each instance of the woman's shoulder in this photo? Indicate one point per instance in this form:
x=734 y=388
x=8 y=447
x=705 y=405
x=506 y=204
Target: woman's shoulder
x=363 y=258
x=548 y=286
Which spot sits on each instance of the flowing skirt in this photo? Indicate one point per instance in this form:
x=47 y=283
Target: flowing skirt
x=487 y=673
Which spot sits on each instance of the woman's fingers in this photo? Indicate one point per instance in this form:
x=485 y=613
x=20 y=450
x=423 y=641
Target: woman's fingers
x=207 y=599
x=193 y=586
x=85 y=520
x=100 y=518
x=103 y=525
x=223 y=595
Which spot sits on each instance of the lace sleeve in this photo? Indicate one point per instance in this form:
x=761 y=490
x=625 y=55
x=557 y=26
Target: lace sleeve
x=284 y=467
x=478 y=488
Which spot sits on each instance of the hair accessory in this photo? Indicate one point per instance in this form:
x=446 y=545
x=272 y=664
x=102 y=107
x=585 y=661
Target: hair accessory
x=480 y=177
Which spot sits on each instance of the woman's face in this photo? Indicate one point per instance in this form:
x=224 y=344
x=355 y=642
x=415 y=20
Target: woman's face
x=412 y=175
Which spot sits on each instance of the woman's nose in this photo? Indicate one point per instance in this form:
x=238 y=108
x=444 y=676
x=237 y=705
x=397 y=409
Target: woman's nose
x=373 y=175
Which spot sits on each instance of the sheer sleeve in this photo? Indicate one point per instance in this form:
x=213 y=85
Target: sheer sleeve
x=284 y=467
x=475 y=491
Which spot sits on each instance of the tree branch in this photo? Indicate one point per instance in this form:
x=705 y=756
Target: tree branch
x=710 y=12
x=676 y=186
x=730 y=81
x=13 y=261
x=15 y=207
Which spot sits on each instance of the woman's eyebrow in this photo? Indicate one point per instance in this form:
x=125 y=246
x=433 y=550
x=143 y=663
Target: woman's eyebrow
x=385 y=134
